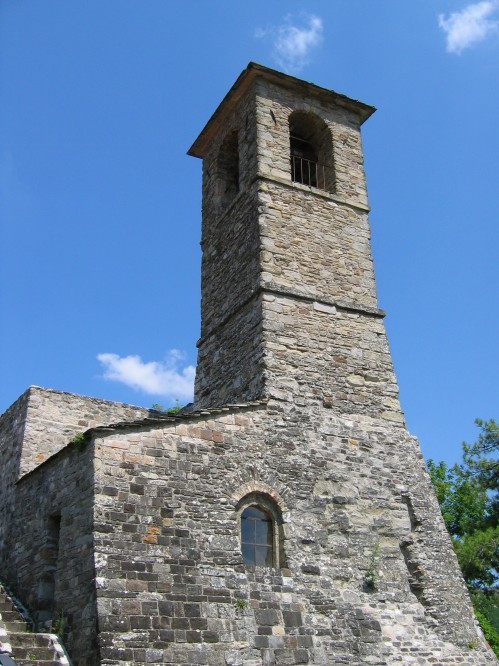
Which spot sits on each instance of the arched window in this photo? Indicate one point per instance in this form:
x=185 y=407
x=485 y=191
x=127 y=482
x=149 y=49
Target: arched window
x=257 y=537
x=311 y=151
x=260 y=524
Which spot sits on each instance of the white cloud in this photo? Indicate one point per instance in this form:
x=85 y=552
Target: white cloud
x=472 y=24
x=162 y=378
x=294 y=40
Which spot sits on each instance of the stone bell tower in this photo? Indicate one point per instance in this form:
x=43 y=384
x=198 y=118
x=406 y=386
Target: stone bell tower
x=289 y=307
x=286 y=517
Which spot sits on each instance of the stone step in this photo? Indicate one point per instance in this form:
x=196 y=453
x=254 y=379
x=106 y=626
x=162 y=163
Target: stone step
x=10 y=615
x=34 y=654
x=28 y=648
x=16 y=625
x=33 y=648
x=27 y=639
x=37 y=662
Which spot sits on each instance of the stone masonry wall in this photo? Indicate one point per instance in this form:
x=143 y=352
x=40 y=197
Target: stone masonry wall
x=230 y=257
x=231 y=366
x=12 y=425
x=319 y=353
x=240 y=121
x=36 y=427
x=230 y=345
x=174 y=588
x=323 y=334
x=316 y=246
x=53 y=573
x=53 y=417
x=230 y=263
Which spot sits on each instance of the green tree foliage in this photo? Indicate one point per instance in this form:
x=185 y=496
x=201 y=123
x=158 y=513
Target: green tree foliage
x=468 y=494
x=489 y=631
x=478 y=556
x=462 y=497
x=482 y=460
x=166 y=410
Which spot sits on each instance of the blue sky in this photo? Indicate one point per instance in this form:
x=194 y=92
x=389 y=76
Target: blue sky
x=100 y=205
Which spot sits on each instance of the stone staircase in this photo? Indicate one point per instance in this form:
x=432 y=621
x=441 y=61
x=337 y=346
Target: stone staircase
x=18 y=640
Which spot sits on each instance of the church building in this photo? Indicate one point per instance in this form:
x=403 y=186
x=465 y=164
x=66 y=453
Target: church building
x=285 y=516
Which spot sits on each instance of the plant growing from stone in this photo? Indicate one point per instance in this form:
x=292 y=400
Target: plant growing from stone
x=242 y=604
x=371 y=577
x=59 y=624
x=80 y=440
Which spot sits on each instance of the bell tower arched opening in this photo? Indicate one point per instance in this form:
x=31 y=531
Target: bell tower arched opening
x=311 y=151
x=228 y=170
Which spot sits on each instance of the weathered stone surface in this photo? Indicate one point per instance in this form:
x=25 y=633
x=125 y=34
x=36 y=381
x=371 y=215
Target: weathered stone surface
x=42 y=479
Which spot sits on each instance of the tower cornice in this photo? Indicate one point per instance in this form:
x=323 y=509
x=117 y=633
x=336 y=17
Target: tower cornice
x=254 y=71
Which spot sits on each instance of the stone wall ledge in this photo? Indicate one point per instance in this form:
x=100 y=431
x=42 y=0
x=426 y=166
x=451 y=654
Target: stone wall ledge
x=314 y=191
x=339 y=304
x=288 y=292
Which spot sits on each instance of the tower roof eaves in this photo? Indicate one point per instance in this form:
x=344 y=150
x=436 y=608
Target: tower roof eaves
x=245 y=80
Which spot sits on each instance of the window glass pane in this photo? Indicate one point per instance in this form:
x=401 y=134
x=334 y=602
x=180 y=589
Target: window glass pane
x=257 y=541
x=248 y=554
x=263 y=556
x=264 y=532
x=253 y=512
x=247 y=530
